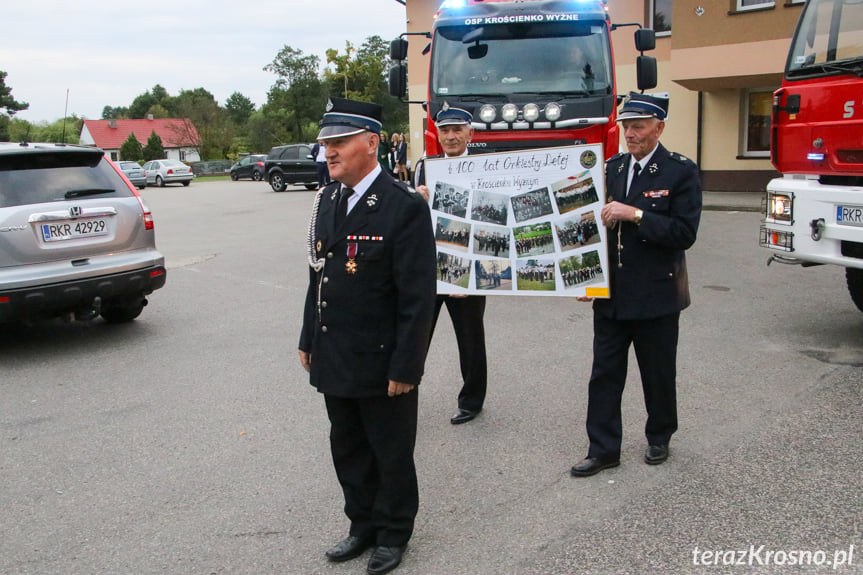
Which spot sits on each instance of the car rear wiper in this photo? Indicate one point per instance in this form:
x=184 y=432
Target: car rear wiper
x=88 y=192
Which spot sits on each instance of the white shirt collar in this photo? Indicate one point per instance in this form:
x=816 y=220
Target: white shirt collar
x=363 y=186
x=646 y=159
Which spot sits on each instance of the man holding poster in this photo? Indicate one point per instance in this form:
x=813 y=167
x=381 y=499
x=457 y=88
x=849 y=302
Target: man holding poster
x=454 y=133
x=654 y=206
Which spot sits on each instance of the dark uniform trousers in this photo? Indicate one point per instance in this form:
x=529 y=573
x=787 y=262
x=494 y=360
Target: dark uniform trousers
x=467 y=321
x=378 y=484
x=655 y=343
x=647 y=294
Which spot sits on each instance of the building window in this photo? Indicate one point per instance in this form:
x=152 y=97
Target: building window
x=182 y=155
x=660 y=17
x=756 y=130
x=754 y=4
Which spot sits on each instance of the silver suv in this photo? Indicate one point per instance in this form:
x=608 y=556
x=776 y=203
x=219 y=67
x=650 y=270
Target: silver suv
x=76 y=240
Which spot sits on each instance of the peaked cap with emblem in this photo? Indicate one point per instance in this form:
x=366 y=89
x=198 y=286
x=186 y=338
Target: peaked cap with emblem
x=349 y=117
x=451 y=116
x=637 y=105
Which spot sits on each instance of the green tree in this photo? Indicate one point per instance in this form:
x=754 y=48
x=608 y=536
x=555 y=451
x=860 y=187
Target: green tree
x=362 y=74
x=153 y=150
x=298 y=96
x=199 y=110
x=239 y=108
x=158 y=111
x=115 y=112
x=158 y=96
x=131 y=149
x=11 y=106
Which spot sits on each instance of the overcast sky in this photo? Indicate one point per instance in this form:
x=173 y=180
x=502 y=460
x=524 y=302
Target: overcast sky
x=107 y=53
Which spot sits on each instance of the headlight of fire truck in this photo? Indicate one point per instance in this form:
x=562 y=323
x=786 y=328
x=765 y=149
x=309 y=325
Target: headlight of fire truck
x=487 y=113
x=531 y=112
x=509 y=113
x=552 y=112
x=780 y=207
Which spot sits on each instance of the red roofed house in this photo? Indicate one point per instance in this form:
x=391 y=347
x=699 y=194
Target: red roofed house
x=179 y=136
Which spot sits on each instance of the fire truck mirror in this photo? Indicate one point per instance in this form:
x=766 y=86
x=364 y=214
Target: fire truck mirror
x=645 y=69
x=399 y=49
x=645 y=39
x=398 y=80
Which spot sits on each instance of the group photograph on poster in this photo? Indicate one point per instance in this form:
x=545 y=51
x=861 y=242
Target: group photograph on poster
x=520 y=222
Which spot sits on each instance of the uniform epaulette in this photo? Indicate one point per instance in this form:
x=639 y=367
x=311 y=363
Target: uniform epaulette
x=404 y=187
x=680 y=158
x=615 y=157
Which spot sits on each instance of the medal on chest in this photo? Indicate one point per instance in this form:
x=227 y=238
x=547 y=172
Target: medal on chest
x=351 y=265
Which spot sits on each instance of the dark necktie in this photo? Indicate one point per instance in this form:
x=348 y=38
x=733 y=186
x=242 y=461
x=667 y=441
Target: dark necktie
x=342 y=208
x=636 y=169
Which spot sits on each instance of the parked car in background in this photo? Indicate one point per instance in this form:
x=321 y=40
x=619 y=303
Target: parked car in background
x=161 y=172
x=76 y=240
x=292 y=164
x=252 y=166
x=134 y=172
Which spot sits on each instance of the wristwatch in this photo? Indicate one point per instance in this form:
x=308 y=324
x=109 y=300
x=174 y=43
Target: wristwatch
x=638 y=215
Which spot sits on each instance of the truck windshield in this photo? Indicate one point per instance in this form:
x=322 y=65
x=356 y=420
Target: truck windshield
x=828 y=40
x=503 y=59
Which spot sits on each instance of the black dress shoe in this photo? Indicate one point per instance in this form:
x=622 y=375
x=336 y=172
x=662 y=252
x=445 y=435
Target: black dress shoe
x=655 y=454
x=462 y=416
x=348 y=548
x=592 y=466
x=385 y=559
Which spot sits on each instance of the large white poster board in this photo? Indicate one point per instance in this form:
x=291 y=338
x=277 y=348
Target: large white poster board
x=520 y=223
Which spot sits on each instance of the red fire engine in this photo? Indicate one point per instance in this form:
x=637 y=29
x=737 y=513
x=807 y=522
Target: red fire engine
x=814 y=213
x=536 y=73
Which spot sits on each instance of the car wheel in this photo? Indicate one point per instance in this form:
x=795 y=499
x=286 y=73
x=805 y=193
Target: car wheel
x=123 y=311
x=160 y=182
x=277 y=182
x=234 y=176
x=187 y=182
x=311 y=186
x=257 y=176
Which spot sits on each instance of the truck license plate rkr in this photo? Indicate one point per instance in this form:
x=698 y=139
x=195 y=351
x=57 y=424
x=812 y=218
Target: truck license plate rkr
x=849 y=215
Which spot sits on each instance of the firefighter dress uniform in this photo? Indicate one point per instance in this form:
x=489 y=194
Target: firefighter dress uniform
x=367 y=320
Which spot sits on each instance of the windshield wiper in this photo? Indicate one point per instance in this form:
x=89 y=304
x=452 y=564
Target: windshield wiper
x=855 y=67
x=88 y=192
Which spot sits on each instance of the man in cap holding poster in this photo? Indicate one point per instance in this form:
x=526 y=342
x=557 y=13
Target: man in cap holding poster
x=366 y=325
x=654 y=203
x=454 y=133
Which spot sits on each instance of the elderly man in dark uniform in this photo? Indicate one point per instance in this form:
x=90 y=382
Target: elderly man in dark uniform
x=454 y=134
x=366 y=325
x=653 y=211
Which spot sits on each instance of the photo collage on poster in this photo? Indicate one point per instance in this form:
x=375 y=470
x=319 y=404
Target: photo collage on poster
x=525 y=222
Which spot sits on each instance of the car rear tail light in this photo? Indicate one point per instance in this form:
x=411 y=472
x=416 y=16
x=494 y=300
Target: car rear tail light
x=170 y=171
x=156 y=273
x=260 y=164
x=148 y=217
x=4 y=300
